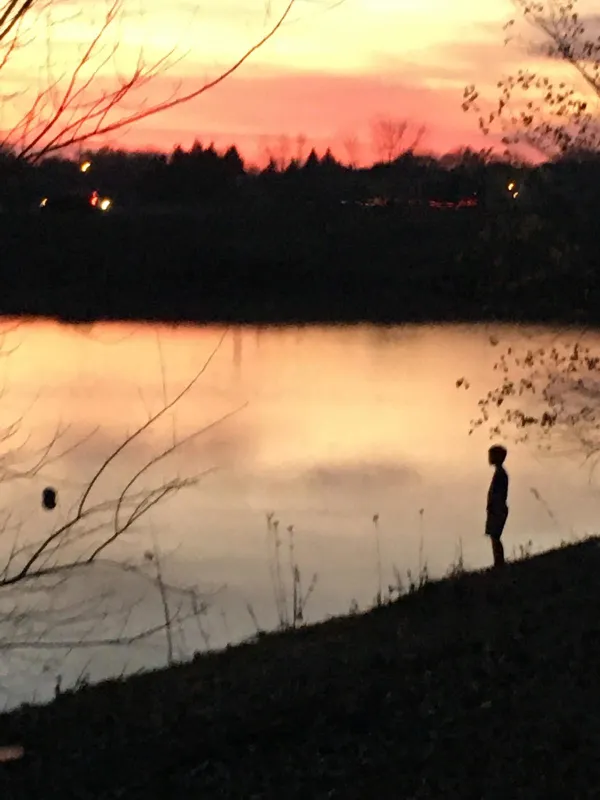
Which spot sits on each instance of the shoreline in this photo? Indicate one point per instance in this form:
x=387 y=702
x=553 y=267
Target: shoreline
x=272 y=267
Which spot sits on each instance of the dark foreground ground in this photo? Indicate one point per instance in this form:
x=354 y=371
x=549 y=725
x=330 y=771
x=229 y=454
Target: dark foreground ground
x=268 y=263
x=484 y=686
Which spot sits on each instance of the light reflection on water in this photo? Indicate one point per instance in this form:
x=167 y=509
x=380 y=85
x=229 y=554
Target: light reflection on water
x=337 y=424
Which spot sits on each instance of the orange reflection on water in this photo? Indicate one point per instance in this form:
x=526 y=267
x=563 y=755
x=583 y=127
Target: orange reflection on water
x=358 y=394
x=337 y=424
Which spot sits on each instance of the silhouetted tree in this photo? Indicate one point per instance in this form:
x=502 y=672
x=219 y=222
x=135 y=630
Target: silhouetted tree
x=284 y=150
x=329 y=161
x=393 y=137
x=547 y=394
x=301 y=141
x=535 y=108
x=234 y=162
x=352 y=148
x=202 y=173
x=312 y=162
x=293 y=167
x=271 y=168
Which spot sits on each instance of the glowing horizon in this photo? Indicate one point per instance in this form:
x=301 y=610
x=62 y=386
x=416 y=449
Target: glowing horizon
x=326 y=74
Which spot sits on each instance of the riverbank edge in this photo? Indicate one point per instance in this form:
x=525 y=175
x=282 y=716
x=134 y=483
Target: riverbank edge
x=209 y=724
x=274 y=318
x=312 y=266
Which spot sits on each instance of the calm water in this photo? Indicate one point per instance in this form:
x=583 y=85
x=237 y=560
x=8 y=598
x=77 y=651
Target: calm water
x=334 y=426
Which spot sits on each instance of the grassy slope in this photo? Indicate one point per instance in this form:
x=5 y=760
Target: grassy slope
x=484 y=686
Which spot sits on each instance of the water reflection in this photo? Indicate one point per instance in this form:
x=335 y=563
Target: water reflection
x=337 y=424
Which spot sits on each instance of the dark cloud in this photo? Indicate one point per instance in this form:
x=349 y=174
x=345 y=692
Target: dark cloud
x=362 y=476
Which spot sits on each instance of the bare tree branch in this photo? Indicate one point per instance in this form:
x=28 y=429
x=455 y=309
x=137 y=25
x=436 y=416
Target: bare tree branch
x=35 y=571
x=73 y=108
x=548 y=114
x=392 y=138
x=547 y=393
x=11 y=15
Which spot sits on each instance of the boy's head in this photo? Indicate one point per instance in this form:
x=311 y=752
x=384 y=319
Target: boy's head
x=497 y=455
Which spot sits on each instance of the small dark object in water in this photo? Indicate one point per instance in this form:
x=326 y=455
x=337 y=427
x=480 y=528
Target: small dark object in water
x=49 y=498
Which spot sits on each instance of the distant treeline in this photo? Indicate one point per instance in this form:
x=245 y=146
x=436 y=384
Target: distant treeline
x=203 y=174
x=202 y=237
x=265 y=262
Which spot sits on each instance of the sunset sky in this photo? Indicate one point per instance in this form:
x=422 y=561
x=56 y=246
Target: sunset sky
x=327 y=74
x=330 y=71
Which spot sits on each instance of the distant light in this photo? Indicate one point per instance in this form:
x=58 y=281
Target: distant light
x=511 y=186
x=515 y=195
x=44 y=202
x=11 y=753
x=85 y=166
x=105 y=204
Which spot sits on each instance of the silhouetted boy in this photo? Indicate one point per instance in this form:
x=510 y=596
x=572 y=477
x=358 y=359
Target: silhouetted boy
x=497 y=509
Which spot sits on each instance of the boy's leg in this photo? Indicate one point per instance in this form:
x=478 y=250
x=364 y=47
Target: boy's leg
x=494 y=526
x=497 y=551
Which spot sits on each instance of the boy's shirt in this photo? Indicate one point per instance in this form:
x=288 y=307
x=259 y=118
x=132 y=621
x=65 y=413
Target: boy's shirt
x=498 y=491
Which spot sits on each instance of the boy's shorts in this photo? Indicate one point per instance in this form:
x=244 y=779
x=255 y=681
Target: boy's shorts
x=495 y=522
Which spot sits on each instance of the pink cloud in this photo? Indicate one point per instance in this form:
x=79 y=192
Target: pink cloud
x=326 y=108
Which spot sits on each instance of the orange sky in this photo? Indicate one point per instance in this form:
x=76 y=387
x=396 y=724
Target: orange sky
x=327 y=74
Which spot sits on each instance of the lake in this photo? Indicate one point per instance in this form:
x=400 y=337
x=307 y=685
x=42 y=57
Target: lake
x=325 y=428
